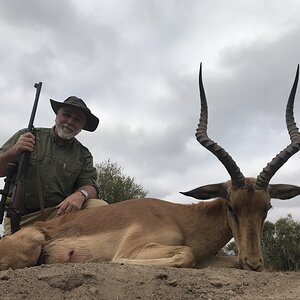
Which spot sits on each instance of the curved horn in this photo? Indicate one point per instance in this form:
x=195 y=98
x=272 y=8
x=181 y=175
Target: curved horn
x=289 y=115
x=280 y=159
x=238 y=180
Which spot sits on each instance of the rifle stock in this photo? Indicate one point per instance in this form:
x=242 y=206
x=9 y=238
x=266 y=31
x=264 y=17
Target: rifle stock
x=16 y=208
x=17 y=200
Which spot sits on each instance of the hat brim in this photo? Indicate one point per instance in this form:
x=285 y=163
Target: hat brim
x=91 y=120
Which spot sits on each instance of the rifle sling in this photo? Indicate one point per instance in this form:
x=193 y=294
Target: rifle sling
x=39 y=177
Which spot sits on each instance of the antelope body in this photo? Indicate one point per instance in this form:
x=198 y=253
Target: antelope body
x=157 y=232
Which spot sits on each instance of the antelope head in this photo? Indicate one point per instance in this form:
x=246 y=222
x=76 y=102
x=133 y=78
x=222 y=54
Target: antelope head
x=247 y=200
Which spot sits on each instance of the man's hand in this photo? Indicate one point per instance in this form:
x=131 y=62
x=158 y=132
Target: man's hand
x=26 y=142
x=71 y=203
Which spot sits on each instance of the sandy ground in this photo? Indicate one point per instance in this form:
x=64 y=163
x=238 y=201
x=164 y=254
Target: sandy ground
x=96 y=280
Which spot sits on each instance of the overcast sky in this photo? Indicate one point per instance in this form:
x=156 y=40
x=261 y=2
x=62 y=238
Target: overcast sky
x=135 y=63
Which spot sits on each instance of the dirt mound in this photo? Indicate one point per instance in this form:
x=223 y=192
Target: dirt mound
x=96 y=280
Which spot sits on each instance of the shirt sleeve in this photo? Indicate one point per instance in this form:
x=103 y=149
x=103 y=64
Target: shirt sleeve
x=88 y=174
x=9 y=143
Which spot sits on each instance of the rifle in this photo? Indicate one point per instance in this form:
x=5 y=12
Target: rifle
x=16 y=174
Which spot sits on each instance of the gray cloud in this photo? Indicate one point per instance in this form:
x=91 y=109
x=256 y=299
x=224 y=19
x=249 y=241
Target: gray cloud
x=136 y=65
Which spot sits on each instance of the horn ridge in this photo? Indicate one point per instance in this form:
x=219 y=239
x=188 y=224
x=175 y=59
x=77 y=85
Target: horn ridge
x=263 y=179
x=290 y=122
x=276 y=163
x=238 y=180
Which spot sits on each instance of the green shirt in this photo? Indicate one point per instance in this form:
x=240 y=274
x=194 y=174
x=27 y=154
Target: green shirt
x=63 y=168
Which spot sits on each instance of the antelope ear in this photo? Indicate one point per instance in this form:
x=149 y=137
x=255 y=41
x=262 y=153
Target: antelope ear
x=208 y=191
x=283 y=191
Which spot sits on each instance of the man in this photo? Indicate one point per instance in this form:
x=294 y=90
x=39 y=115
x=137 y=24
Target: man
x=61 y=176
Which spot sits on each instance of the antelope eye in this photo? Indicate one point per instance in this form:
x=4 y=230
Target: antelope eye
x=266 y=212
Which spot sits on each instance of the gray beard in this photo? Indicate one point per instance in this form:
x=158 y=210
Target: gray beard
x=64 y=133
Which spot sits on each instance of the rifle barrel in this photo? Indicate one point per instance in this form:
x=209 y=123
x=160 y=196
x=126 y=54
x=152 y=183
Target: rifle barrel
x=38 y=87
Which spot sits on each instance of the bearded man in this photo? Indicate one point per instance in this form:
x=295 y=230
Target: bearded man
x=61 y=177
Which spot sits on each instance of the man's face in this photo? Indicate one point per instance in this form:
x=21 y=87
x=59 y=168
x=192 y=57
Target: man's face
x=69 y=122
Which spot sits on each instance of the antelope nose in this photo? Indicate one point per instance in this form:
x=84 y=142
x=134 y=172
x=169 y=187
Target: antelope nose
x=254 y=264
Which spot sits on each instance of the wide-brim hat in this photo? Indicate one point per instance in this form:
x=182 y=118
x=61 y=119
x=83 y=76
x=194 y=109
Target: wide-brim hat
x=91 y=120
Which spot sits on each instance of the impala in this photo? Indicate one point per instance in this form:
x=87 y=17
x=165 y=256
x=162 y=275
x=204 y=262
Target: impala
x=158 y=232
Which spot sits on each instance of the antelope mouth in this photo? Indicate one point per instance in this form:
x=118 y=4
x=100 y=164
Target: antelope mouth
x=257 y=266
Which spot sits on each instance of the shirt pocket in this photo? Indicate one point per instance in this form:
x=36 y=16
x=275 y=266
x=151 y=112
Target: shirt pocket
x=34 y=157
x=70 y=171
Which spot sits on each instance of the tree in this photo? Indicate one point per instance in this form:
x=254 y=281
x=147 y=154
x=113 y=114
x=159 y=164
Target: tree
x=230 y=249
x=281 y=244
x=114 y=186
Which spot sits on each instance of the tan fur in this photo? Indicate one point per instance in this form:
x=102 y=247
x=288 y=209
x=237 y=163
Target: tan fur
x=21 y=249
x=145 y=231
x=251 y=207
